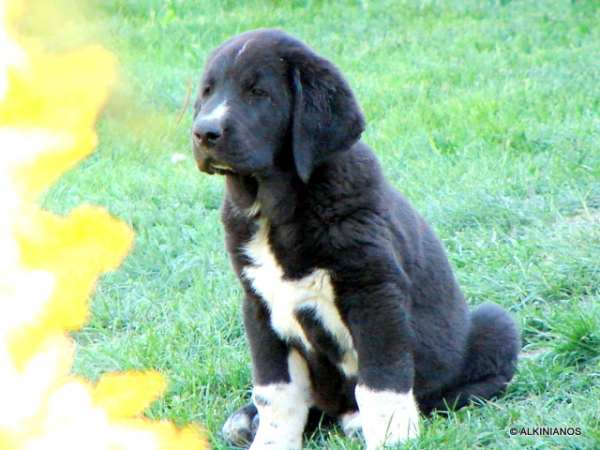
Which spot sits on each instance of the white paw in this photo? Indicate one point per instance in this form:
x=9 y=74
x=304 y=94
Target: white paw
x=283 y=411
x=387 y=417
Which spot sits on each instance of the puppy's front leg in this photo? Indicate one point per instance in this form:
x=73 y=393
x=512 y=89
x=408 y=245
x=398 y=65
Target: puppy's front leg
x=388 y=417
x=281 y=391
x=382 y=338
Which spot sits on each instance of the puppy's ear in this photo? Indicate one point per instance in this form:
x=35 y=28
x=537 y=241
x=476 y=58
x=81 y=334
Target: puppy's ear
x=326 y=117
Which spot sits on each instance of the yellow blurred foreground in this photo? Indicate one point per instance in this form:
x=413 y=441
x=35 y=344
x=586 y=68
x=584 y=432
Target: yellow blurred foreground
x=49 y=264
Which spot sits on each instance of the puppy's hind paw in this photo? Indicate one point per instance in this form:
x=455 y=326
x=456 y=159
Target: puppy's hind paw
x=240 y=428
x=351 y=424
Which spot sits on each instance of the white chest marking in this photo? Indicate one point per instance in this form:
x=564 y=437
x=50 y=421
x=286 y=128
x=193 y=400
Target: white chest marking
x=285 y=297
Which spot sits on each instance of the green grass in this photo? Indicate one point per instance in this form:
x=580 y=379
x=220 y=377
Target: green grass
x=484 y=112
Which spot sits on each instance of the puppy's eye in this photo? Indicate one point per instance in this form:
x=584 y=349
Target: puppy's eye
x=258 y=92
x=206 y=90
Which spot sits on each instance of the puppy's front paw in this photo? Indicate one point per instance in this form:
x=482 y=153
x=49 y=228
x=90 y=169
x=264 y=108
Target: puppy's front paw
x=283 y=412
x=240 y=428
x=387 y=417
x=276 y=435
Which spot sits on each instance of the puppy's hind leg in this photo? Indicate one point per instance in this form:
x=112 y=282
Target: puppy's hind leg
x=240 y=428
x=492 y=350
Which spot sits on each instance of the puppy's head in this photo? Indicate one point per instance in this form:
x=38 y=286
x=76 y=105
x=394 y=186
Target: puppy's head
x=267 y=101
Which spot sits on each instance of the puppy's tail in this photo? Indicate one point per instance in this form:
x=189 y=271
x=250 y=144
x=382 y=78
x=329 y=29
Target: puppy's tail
x=492 y=350
x=493 y=345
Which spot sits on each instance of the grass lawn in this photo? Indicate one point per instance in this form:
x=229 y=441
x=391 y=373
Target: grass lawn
x=485 y=113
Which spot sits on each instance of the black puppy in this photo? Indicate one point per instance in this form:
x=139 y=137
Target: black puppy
x=350 y=307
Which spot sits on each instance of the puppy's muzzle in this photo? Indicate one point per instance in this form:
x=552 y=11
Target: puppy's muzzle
x=207 y=131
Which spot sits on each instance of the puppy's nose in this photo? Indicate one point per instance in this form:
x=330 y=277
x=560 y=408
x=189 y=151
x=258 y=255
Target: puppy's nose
x=207 y=131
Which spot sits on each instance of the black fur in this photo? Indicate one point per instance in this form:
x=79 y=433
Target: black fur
x=290 y=143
